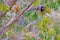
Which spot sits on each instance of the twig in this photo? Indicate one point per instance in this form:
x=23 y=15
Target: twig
x=15 y=18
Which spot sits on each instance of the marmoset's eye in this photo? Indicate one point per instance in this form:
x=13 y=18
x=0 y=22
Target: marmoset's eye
x=42 y=8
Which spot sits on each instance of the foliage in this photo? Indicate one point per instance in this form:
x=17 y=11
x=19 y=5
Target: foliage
x=33 y=38
x=19 y=28
x=36 y=25
x=44 y=21
x=4 y=8
x=37 y=2
x=58 y=1
x=0 y=23
x=32 y=15
x=8 y=33
x=1 y=1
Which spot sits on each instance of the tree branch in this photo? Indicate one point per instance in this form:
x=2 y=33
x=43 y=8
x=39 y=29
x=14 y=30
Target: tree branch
x=6 y=27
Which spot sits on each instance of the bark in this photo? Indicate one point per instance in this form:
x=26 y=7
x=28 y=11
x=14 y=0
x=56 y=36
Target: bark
x=6 y=27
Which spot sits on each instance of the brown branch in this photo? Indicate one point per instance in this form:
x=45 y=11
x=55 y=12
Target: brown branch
x=1 y=14
x=6 y=27
x=16 y=17
x=9 y=3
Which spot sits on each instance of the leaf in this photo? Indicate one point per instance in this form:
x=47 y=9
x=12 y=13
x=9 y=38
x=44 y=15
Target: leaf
x=58 y=1
x=19 y=28
x=27 y=0
x=53 y=5
x=26 y=22
x=28 y=13
x=57 y=37
x=44 y=29
x=1 y=7
x=44 y=1
x=1 y=1
x=5 y=8
x=51 y=32
x=48 y=10
x=48 y=38
x=35 y=16
x=0 y=23
x=12 y=26
x=33 y=38
x=8 y=32
x=28 y=37
x=4 y=36
x=31 y=15
x=41 y=35
x=56 y=28
x=37 y=2
x=44 y=21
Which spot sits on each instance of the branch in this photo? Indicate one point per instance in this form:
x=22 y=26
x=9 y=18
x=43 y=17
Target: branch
x=6 y=27
x=1 y=14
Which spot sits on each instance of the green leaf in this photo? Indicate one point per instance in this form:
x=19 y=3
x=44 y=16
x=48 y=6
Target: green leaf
x=1 y=1
x=19 y=28
x=37 y=2
x=4 y=36
x=48 y=9
x=44 y=1
x=5 y=8
x=57 y=37
x=12 y=26
x=44 y=29
x=8 y=33
x=53 y=5
x=48 y=38
x=44 y=21
x=0 y=23
x=41 y=35
x=56 y=28
x=35 y=16
x=28 y=13
x=58 y=1
x=51 y=32
x=1 y=7
x=28 y=37
x=33 y=38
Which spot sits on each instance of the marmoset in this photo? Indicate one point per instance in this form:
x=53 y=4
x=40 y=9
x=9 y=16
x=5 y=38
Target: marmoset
x=16 y=8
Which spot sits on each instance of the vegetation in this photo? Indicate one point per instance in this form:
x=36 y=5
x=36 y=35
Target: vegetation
x=29 y=20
